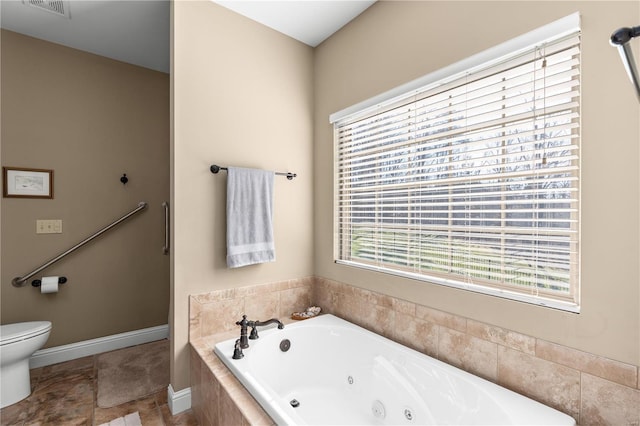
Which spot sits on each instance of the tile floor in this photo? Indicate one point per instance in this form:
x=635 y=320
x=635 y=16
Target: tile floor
x=66 y=394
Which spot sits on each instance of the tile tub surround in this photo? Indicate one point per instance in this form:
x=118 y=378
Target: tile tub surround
x=590 y=388
x=217 y=397
x=217 y=311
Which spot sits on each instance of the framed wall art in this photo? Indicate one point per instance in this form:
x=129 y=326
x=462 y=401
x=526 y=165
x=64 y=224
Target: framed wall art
x=21 y=182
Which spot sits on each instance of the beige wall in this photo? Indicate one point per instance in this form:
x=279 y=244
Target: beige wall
x=235 y=81
x=394 y=42
x=242 y=96
x=90 y=119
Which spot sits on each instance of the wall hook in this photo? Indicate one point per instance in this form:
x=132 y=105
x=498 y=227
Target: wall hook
x=124 y=179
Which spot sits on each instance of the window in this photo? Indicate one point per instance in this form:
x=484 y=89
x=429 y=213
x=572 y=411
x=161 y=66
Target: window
x=472 y=179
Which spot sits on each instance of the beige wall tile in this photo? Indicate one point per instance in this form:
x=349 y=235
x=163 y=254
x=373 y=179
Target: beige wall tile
x=552 y=384
x=323 y=296
x=351 y=290
x=375 y=298
x=195 y=318
x=469 y=353
x=216 y=366
x=221 y=316
x=228 y=413
x=416 y=333
x=348 y=307
x=254 y=415
x=340 y=287
x=404 y=307
x=262 y=306
x=215 y=296
x=217 y=311
x=298 y=282
x=378 y=319
x=294 y=299
x=205 y=298
x=441 y=318
x=258 y=289
x=210 y=396
x=326 y=301
x=501 y=336
x=321 y=283
x=196 y=385
x=605 y=402
x=615 y=371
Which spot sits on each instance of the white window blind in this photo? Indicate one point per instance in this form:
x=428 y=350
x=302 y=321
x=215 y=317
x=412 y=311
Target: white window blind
x=472 y=182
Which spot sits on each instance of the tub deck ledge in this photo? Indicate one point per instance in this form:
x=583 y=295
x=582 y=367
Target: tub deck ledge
x=251 y=411
x=249 y=408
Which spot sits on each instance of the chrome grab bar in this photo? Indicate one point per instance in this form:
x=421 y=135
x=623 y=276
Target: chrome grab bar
x=19 y=281
x=165 y=249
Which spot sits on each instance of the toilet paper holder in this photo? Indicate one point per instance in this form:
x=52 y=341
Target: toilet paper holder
x=38 y=283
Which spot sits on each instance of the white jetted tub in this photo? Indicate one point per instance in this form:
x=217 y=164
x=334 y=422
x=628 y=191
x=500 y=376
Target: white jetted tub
x=327 y=371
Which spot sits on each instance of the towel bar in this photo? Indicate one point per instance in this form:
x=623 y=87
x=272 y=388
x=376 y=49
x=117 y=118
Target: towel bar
x=215 y=169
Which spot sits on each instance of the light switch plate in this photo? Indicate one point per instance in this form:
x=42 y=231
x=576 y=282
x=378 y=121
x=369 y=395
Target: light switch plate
x=49 y=226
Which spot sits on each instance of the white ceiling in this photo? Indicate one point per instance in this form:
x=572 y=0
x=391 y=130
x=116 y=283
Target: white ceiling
x=137 y=31
x=308 y=21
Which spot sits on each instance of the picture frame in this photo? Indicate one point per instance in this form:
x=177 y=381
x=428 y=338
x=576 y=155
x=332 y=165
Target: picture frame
x=21 y=182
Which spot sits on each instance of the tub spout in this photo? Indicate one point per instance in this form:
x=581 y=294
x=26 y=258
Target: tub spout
x=255 y=324
x=271 y=321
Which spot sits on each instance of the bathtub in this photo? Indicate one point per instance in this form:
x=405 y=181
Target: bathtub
x=327 y=371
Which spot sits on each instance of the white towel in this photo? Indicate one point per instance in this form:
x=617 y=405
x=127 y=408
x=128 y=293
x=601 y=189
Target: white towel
x=249 y=217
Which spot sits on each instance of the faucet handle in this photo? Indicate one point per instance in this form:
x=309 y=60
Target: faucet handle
x=243 y=322
x=254 y=333
x=237 y=350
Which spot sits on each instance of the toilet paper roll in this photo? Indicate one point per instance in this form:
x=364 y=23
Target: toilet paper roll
x=49 y=285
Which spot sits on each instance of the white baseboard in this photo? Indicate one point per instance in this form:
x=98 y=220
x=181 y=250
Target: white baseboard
x=71 y=351
x=178 y=401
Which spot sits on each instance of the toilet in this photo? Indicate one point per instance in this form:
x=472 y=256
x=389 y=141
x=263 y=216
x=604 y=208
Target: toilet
x=17 y=343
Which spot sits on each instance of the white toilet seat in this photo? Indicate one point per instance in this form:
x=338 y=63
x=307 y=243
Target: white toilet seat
x=11 y=333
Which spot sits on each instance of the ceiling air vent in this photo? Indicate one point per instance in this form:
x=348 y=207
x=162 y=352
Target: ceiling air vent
x=57 y=7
